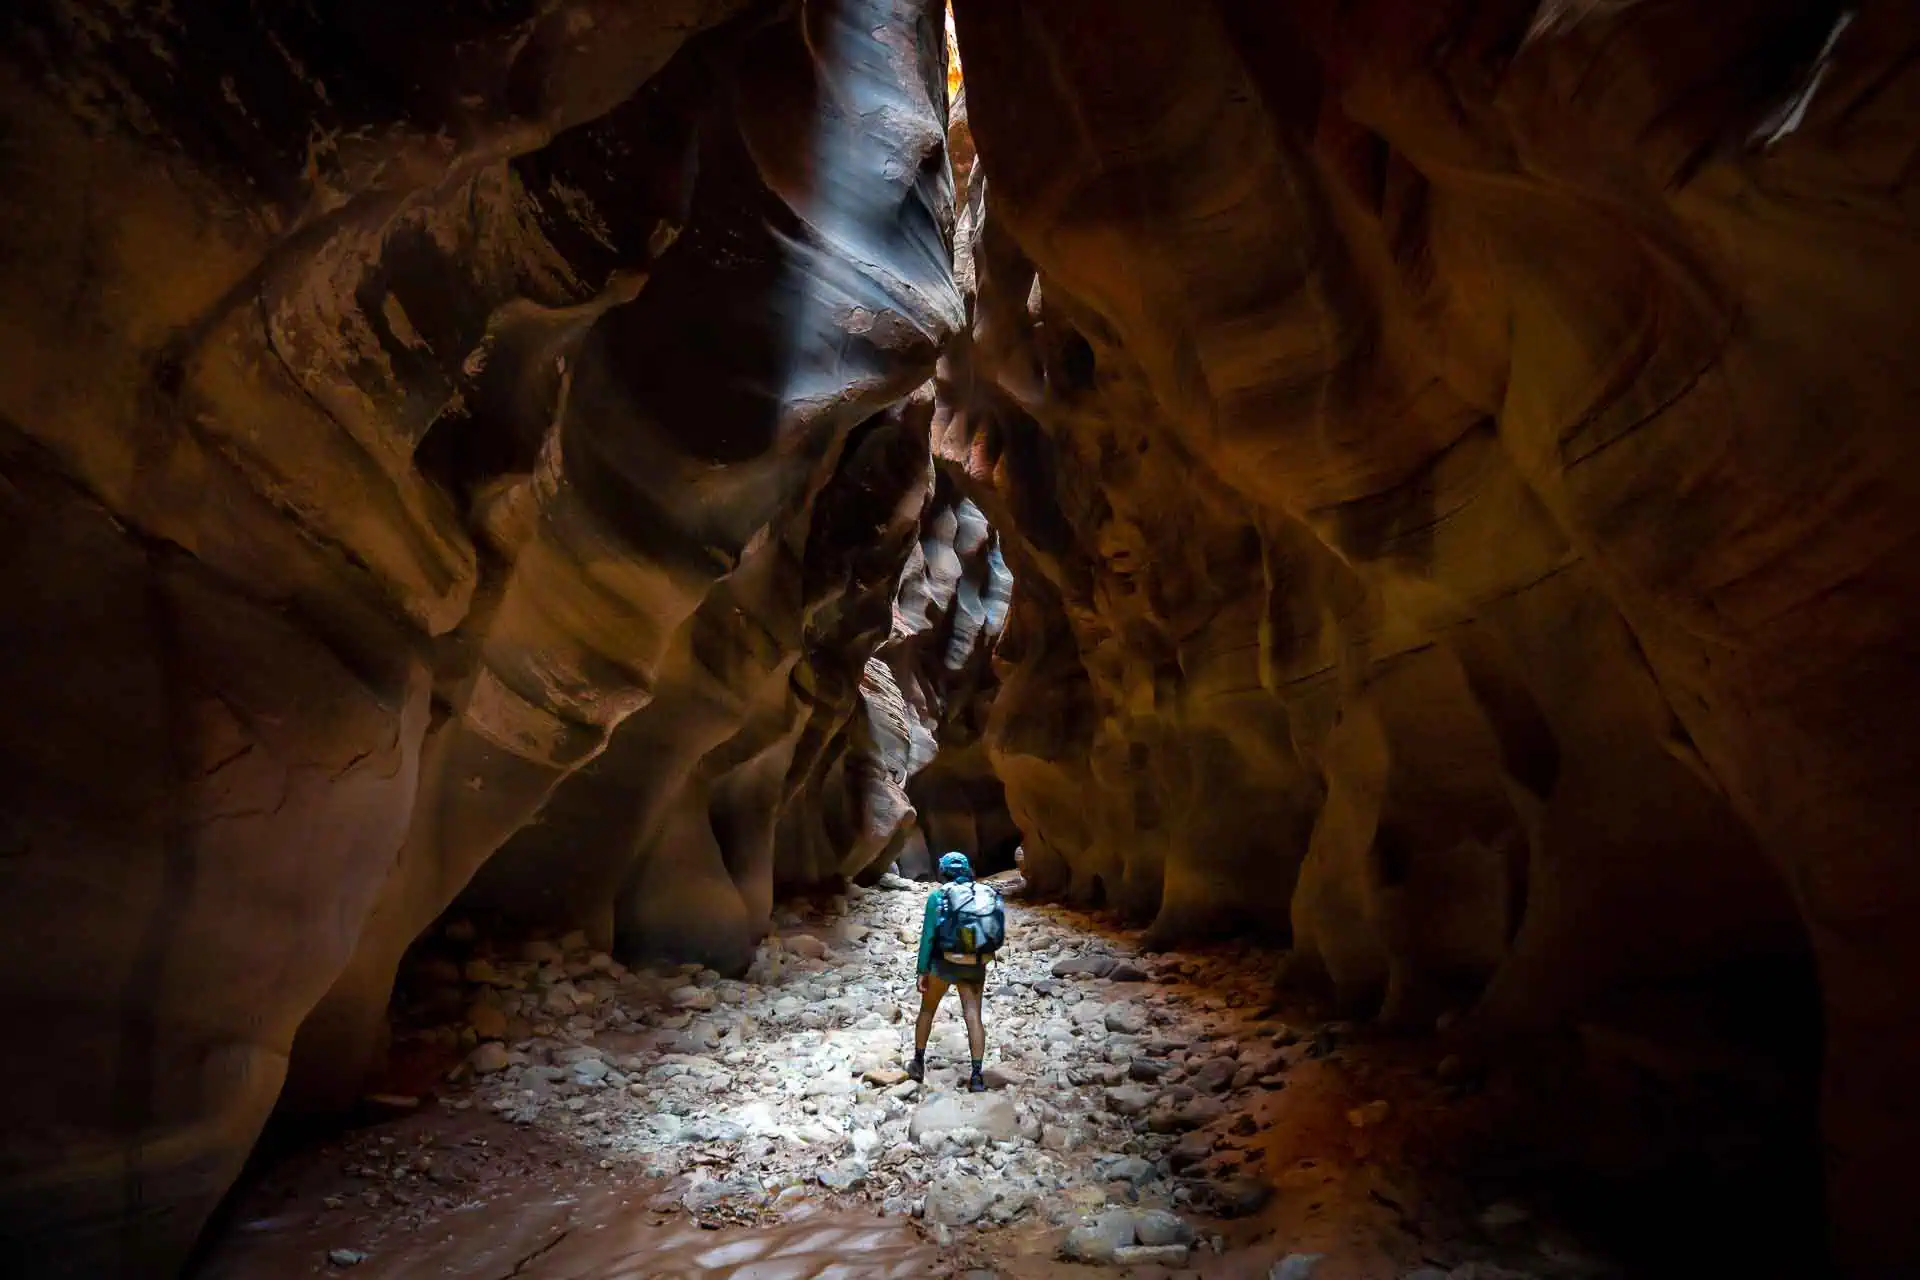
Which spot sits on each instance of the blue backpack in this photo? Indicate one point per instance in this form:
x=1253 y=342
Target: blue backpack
x=972 y=921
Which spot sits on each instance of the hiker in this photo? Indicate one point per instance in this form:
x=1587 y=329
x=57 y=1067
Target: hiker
x=963 y=926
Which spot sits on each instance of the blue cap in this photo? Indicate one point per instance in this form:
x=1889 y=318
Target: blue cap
x=954 y=866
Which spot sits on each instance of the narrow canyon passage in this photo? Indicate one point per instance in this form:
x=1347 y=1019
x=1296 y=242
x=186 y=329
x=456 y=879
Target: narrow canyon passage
x=675 y=1122
x=528 y=528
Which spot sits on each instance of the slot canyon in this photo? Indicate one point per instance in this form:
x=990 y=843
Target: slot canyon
x=527 y=528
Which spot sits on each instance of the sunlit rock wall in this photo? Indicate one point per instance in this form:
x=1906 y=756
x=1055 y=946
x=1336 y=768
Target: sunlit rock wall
x=392 y=408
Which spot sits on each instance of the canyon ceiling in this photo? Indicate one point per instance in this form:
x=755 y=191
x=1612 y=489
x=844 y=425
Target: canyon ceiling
x=1435 y=482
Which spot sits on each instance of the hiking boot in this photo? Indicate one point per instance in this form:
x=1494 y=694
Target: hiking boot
x=917 y=1069
x=978 y=1083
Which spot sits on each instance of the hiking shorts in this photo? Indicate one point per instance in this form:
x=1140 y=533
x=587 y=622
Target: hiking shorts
x=947 y=971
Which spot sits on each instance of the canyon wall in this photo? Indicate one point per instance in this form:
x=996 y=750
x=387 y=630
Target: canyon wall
x=1454 y=459
x=1462 y=482
x=394 y=408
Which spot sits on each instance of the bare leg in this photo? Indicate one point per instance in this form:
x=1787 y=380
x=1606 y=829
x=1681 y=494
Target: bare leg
x=929 y=1002
x=970 y=1001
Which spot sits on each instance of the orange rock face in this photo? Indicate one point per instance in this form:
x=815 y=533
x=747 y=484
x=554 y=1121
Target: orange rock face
x=570 y=463
x=384 y=404
x=1463 y=487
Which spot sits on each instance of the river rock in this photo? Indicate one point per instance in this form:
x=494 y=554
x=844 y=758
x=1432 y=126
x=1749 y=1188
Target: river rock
x=1165 y=1255
x=1214 y=1075
x=844 y=1176
x=1158 y=1227
x=1098 y=1241
x=488 y=1058
x=712 y=1193
x=957 y=1200
x=1130 y=1099
x=991 y=1114
x=1002 y=1076
x=1190 y=1150
x=804 y=944
x=1132 y=1169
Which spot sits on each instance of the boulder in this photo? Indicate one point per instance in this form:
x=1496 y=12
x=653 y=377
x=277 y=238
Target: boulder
x=991 y=1114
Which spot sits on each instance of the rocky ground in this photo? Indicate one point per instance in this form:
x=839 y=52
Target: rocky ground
x=1146 y=1112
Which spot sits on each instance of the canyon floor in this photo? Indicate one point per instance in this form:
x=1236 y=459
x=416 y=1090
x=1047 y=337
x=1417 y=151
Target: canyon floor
x=555 y=1114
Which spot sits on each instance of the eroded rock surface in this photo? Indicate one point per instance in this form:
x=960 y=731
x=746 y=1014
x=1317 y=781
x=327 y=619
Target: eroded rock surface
x=1454 y=457
x=383 y=403
x=1458 y=474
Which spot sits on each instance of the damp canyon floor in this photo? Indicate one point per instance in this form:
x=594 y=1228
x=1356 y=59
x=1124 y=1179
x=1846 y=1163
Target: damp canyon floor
x=555 y=1115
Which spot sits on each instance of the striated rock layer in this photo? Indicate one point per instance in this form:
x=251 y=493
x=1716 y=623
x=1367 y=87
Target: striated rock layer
x=1460 y=478
x=1454 y=456
x=390 y=412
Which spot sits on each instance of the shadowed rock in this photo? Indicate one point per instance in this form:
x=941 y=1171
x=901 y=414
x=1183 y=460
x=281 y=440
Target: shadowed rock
x=355 y=364
x=1454 y=462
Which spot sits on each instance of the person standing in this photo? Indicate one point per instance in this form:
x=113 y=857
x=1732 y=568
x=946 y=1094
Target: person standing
x=962 y=926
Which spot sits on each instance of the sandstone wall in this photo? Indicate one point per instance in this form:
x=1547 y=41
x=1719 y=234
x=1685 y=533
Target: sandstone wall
x=393 y=406
x=1459 y=471
x=1454 y=457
